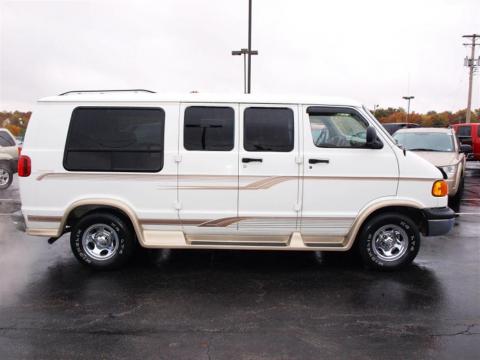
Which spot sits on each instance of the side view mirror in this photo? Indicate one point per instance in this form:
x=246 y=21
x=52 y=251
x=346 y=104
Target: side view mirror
x=466 y=149
x=373 y=142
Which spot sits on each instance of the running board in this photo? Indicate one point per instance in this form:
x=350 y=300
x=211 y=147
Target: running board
x=178 y=240
x=236 y=243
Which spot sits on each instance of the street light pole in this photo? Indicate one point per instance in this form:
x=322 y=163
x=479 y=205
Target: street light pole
x=247 y=55
x=408 y=98
x=470 y=62
x=244 y=52
x=249 y=80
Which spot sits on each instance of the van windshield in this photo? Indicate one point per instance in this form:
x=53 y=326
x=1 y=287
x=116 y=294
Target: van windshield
x=425 y=141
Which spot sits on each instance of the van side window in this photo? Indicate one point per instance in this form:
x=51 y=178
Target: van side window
x=268 y=129
x=6 y=139
x=338 y=130
x=115 y=139
x=209 y=128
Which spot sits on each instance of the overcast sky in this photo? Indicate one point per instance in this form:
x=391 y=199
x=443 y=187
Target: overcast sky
x=367 y=50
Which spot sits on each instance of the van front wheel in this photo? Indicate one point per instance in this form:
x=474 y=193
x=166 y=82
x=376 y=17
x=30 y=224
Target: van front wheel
x=102 y=240
x=388 y=242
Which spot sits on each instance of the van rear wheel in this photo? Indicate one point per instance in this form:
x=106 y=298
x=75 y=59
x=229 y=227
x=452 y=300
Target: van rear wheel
x=103 y=241
x=388 y=242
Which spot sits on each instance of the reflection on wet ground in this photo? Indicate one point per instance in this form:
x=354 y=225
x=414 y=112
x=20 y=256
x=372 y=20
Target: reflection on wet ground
x=247 y=305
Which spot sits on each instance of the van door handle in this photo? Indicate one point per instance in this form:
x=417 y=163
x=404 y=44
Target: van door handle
x=248 y=160
x=318 y=161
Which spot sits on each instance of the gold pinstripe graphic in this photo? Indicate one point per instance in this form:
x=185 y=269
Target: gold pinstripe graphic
x=224 y=222
x=260 y=182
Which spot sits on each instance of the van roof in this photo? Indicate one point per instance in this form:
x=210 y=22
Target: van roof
x=145 y=96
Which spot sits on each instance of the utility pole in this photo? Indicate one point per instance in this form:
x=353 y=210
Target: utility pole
x=472 y=63
x=408 y=98
x=244 y=52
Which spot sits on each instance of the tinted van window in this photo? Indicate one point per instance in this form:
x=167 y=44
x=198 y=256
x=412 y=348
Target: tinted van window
x=268 y=129
x=115 y=139
x=209 y=128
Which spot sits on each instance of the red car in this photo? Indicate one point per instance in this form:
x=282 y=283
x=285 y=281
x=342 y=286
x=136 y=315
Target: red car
x=469 y=134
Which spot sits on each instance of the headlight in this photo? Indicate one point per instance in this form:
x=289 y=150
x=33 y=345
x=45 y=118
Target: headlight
x=450 y=170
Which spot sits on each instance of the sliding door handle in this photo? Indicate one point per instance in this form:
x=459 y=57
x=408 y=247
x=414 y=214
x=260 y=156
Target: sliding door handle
x=318 y=161
x=248 y=160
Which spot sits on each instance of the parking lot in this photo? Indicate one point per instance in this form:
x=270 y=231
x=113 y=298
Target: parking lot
x=241 y=305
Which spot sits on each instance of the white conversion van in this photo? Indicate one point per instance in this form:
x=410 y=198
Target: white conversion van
x=119 y=169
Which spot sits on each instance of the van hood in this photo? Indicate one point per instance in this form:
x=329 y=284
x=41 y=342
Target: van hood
x=438 y=158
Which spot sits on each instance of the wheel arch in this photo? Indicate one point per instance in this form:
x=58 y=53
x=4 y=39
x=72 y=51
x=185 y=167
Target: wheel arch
x=411 y=209
x=81 y=208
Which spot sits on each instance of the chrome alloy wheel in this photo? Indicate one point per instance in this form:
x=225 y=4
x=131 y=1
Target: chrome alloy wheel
x=4 y=177
x=100 y=242
x=390 y=242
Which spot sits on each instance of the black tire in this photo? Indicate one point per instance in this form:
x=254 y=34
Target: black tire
x=116 y=232
x=454 y=201
x=6 y=175
x=375 y=257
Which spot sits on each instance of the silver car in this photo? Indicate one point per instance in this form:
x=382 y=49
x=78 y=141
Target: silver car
x=441 y=147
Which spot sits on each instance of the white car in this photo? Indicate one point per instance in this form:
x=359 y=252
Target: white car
x=121 y=168
x=8 y=158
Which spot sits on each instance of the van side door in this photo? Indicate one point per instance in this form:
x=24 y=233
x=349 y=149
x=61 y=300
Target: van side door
x=341 y=174
x=207 y=168
x=268 y=171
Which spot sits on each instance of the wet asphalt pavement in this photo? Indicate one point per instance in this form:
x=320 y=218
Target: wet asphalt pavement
x=241 y=305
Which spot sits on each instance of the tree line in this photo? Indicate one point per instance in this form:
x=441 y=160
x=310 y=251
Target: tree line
x=431 y=118
x=15 y=121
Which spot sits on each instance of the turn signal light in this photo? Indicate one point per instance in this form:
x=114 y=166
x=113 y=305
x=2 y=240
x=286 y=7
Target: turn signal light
x=440 y=188
x=24 y=166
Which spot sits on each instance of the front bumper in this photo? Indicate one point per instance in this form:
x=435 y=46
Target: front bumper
x=439 y=220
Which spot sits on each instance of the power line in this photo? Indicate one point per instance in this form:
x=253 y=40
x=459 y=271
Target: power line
x=472 y=63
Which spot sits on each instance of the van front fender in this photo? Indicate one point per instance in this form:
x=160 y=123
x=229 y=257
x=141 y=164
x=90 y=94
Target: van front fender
x=378 y=205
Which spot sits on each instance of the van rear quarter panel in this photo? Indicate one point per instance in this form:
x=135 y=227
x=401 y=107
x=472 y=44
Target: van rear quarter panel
x=50 y=189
